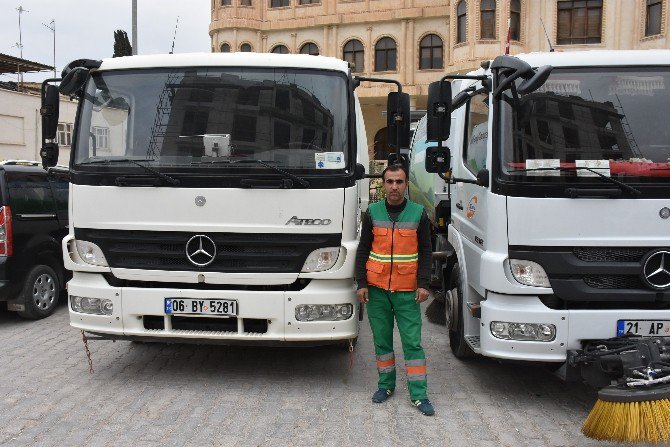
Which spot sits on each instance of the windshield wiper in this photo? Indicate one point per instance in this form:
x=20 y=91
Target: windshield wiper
x=120 y=181
x=304 y=183
x=576 y=192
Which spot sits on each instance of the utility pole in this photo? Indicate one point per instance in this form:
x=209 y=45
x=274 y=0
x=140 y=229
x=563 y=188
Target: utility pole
x=20 y=44
x=52 y=27
x=134 y=27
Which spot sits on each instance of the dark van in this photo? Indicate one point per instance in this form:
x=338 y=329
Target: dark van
x=33 y=222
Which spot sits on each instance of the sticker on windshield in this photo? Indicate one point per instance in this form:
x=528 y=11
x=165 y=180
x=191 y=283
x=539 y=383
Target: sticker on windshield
x=600 y=166
x=329 y=160
x=543 y=166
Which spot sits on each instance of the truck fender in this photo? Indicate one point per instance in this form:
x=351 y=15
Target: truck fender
x=454 y=239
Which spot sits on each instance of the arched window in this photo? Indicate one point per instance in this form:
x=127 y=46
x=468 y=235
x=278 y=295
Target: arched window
x=515 y=20
x=309 y=48
x=461 y=21
x=354 y=54
x=280 y=49
x=225 y=48
x=653 y=21
x=381 y=147
x=245 y=48
x=430 y=52
x=385 y=54
x=487 y=17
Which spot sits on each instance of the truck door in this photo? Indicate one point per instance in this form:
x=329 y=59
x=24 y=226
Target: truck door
x=471 y=198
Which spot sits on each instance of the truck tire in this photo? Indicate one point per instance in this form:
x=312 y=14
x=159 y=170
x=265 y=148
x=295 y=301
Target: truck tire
x=459 y=347
x=40 y=292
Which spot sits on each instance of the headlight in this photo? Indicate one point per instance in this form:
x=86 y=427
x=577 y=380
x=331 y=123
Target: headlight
x=323 y=312
x=95 y=306
x=529 y=273
x=523 y=331
x=321 y=259
x=91 y=253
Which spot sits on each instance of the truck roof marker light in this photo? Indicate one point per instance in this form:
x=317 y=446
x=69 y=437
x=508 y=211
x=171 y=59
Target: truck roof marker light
x=6 y=236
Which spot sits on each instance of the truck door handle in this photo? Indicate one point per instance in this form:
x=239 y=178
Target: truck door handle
x=459 y=206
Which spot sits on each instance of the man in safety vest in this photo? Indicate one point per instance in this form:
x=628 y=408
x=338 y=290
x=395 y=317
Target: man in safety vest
x=393 y=275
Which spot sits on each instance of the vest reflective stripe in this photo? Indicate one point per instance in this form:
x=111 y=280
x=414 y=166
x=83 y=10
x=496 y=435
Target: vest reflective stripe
x=394 y=255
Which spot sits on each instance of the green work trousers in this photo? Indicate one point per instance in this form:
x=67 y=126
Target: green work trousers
x=382 y=306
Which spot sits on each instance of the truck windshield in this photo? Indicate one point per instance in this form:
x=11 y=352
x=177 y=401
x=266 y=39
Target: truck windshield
x=611 y=121
x=191 y=119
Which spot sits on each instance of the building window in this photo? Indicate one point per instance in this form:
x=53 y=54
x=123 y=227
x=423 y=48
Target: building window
x=245 y=48
x=279 y=3
x=225 y=48
x=579 y=21
x=653 y=21
x=309 y=2
x=245 y=2
x=430 y=50
x=354 y=54
x=487 y=17
x=64 y=135
x=309 y=48
x=280 y=49
x=461 y=21
x=515 y=20
x=385 y=54
x=226 y=2
x=101 y=137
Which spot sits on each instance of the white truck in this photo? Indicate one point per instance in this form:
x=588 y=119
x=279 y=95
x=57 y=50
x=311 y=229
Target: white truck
x=552 y=207
x=214 y=198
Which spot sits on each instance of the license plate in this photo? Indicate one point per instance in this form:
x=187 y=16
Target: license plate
x=196 y=306
x=643 y=328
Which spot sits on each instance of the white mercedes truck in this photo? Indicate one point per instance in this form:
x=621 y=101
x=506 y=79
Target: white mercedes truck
x=547 y=179
x=214 y=198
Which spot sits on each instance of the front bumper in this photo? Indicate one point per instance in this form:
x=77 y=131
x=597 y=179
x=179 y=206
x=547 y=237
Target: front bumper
x=133 y=306
x=572 y=326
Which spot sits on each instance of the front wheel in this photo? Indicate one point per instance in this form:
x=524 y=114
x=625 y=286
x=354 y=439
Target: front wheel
x=454 y=310
x=40 y=292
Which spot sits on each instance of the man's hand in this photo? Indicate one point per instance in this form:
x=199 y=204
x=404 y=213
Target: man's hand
x=421 y=295
x=362 y=295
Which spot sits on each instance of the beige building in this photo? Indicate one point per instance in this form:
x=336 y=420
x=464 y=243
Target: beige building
x=417 y=41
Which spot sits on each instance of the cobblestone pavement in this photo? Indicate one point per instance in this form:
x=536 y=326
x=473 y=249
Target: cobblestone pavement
x=154 y=394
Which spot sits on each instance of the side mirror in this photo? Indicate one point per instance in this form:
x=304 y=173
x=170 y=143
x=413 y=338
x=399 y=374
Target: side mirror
x=438 y=159
x=397 y=119
x=49 y=154
x=483 y=178
x=49 y=112
x=439 y=111
x=359 y=171
x=537 y=81
x=74 y=81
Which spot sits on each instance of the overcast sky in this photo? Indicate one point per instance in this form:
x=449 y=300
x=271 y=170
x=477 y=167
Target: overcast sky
x=85 y=29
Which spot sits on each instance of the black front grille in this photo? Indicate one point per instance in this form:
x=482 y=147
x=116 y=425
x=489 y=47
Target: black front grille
x=610 y=254
x=613 y=282
x=235 y=252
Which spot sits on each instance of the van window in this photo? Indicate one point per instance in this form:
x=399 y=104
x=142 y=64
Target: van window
x=477 y=135
x=30 y=193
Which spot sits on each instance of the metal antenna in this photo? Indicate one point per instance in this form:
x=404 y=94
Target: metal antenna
x=551 y=49
x=20 y=43
x=175 y=35
x=52 y=27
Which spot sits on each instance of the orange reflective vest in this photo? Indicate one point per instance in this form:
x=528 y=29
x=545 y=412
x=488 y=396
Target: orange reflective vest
x=394 y=256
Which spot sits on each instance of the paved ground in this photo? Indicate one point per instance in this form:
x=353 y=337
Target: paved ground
x=152 y=394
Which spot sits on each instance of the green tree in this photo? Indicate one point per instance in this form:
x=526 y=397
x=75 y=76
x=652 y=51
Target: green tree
x=122 y=45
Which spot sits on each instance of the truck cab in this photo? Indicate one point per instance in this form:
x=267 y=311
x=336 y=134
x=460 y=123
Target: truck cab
x=554 y=212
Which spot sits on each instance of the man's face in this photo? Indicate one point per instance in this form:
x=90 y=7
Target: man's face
x=395 y=184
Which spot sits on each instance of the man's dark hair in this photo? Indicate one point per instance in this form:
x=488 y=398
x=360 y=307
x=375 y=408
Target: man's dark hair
x=394 y=168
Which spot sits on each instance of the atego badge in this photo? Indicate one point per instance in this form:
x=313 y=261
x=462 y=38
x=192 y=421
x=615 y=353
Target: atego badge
x=295 y=220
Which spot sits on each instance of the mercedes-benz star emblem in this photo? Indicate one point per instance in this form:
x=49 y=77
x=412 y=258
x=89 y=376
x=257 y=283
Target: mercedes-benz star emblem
x=656 y=270
x=664 y=213
x=200 y=200
x=201 y=250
